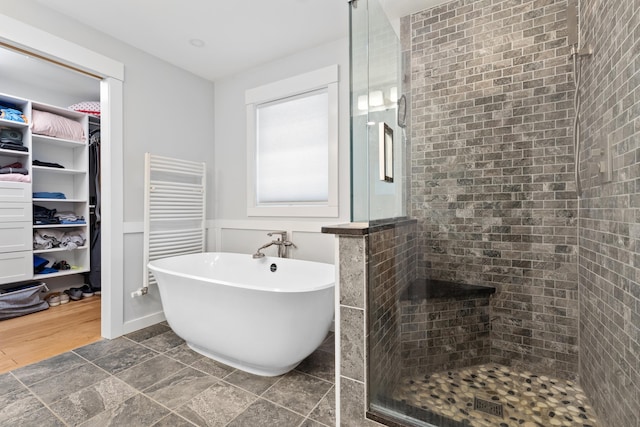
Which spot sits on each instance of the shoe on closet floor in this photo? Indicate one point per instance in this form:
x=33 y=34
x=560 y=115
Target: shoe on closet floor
x=53 y=299
x=64 y=298
x=87 y=291
x=74 y=293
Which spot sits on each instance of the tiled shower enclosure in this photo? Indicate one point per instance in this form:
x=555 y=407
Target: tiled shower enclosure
x=492 y=201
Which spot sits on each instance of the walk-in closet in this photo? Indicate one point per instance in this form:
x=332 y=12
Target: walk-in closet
x=49 y=209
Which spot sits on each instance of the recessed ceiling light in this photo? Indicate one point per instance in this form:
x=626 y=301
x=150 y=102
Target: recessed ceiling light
x=196 y=42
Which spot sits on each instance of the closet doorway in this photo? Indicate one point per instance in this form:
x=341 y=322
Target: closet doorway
x=108 y=77
x=62 y=327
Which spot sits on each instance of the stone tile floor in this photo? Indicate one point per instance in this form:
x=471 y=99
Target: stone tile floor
x=151 y=378
x=528 y=400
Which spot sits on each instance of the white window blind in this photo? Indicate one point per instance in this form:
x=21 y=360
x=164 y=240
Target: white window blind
x=292 y=146
x=292 y=149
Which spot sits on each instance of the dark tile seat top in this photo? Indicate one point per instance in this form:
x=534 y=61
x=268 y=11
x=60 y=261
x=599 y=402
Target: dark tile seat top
x=421 y=289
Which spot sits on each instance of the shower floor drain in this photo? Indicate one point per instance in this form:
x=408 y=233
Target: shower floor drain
x=487 y=407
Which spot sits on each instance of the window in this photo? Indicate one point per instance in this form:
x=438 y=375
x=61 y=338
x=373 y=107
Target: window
x=292 y=137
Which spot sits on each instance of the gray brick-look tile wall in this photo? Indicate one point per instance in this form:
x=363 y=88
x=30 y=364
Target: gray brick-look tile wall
x=609 y=231
x=391 y=268
x=492 y=161
x=439 y=334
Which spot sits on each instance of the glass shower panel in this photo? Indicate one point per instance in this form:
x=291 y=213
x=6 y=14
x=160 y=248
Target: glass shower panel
x=387 y=195
x=359 y=111
x=379 y=189
x=378 y=144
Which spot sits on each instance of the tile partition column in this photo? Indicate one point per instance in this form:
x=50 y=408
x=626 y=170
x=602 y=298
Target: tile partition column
x=352 y=310
x=351 y=265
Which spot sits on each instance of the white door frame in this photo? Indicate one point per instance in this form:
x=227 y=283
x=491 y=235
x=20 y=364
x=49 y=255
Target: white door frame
x=19 y=35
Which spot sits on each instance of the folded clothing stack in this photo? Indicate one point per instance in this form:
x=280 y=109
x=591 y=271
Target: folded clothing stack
x=69 y=218
x=45 y=238
x=14 y=172
x=10 y=139
x=47 y=164
x=48 y=195
x=11 y=112
x=44 y=216
x=40 y=266
x=15 y=167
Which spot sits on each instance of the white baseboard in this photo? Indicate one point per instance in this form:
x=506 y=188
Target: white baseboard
x=143 y=322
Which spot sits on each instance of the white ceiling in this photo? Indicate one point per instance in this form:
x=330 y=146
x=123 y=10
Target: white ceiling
x=237 y=34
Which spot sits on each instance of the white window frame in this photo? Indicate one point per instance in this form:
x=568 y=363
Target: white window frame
x=325 y=78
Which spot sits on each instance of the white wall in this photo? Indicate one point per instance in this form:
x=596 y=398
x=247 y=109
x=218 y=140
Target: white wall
x=234 y=230
x=167 y=111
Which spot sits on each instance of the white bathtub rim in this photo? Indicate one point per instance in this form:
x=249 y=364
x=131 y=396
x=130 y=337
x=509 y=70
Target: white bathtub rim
x=153 y=267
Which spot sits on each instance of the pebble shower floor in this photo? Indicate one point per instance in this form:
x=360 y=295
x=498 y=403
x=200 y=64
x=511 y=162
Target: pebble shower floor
x=527 y=400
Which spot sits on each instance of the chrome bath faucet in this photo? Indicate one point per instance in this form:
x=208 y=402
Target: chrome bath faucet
x=282 y=242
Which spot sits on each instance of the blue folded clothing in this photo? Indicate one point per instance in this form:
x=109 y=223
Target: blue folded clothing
x=48 y=195
x=68 y=221
x=12 y=114
x=39 y=263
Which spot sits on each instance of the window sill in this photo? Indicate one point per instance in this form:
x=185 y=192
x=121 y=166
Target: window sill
x=294 y=211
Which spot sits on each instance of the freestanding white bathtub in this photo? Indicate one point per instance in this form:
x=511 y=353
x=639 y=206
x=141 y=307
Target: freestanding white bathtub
x=263 y=316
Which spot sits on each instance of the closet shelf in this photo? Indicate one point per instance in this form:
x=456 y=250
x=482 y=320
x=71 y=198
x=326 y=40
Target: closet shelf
x=46 y=251
x=13 y=123
x=59 y=225
x=35 y=199
x=61 y=273
x=57 y=141
x=64 y=171
x=14 y=153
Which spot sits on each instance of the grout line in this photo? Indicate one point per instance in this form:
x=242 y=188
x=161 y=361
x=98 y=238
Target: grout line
x=242 y=411
x=333 y=388
x=44 y=404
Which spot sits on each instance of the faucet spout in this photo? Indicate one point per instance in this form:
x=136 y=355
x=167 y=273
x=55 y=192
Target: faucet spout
x=259 y=254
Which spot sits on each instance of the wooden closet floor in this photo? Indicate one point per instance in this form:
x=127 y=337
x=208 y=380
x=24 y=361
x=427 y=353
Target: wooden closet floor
x=38 y=336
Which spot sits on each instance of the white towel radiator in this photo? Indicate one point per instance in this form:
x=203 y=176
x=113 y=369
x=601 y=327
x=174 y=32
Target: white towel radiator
x=174 y=210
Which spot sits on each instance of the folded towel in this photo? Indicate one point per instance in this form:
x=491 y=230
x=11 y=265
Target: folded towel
x=48 y=195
